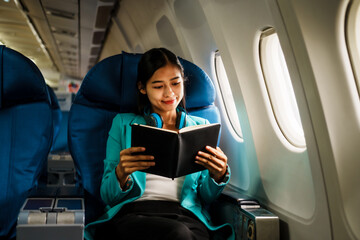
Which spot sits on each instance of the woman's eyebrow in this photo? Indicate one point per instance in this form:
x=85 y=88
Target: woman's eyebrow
x=156 y=81
x=174 y=78
x=160 y=81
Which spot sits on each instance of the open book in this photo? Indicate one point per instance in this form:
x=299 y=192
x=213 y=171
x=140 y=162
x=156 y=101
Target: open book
x=174 y=152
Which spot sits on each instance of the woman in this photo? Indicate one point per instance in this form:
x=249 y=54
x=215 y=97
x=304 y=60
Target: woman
x=147 y=206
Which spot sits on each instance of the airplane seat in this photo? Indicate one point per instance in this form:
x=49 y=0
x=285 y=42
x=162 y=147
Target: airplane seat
x=61 y=141
x=90 y=118
x=57 y=114
x=25 y=133
x=109 y=88
x=60 y=168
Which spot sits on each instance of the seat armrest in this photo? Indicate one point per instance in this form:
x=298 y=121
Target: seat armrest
x=52 y=213
x=248 y=218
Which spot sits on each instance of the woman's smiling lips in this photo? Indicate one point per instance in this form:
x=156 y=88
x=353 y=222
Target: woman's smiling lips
x=169 y=101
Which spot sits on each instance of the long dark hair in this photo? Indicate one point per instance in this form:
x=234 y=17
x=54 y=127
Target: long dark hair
x=151 y=61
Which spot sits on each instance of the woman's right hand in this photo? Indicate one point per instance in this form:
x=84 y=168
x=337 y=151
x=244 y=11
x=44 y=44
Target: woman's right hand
x=131 y=161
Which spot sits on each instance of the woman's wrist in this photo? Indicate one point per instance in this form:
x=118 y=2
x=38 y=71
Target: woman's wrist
x=218 y=179
x=221 y=178
x=120 y=177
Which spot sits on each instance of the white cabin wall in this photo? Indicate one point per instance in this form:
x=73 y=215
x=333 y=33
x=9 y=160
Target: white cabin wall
x=115 y=42
x=201 y=45
x=334 y=103
x=191 y=22
x=144 y=25
x=286 y=179
x=245 y=172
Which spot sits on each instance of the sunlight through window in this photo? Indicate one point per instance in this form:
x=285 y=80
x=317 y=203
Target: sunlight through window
x=226 y=94
x=353 y=38
x=280 y=90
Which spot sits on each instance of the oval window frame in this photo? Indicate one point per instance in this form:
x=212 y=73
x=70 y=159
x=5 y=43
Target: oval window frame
x=281 y=96
x=227 y=97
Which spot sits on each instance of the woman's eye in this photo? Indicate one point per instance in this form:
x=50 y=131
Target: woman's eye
x=176 y=83
x=157 y=87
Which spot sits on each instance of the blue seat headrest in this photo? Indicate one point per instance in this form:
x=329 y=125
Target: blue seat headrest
x=53 y=98
x=100 y=90
x=15 y=70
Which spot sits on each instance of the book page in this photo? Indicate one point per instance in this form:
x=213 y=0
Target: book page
x=156 y=128
x=191 y=128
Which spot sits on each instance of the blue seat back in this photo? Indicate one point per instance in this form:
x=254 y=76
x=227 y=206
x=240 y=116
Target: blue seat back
x=56 y=115
x=25 y=133
x=109 y=88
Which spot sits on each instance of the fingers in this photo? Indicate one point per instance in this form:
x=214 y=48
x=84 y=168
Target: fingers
x=132 y=150
x=219 y=149
x=214 y=160
x=132 y=154
x=218 y=153
x=131 y=160
x=132 y=166
x=215 y=156
x=210 y=162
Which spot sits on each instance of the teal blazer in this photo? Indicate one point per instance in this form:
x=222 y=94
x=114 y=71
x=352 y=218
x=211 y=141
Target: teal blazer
x=198 y=188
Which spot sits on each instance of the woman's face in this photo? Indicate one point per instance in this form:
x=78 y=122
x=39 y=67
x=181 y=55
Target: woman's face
x=165 y=89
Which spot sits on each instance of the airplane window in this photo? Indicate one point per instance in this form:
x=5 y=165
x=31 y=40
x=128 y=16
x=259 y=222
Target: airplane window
x=226 y=94
x=279 y=88
x=353 y=38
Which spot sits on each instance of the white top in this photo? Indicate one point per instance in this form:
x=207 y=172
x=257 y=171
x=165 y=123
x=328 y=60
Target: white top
x=162 y=188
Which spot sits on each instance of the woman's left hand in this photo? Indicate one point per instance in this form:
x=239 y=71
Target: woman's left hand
x=215 y=161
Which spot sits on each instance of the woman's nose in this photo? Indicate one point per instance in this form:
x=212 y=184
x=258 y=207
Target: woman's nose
x=168 y=91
